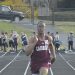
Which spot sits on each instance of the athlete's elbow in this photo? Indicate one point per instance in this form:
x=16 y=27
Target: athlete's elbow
x=28 y=52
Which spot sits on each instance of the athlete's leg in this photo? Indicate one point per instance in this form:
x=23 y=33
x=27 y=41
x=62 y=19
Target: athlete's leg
x=68 y=45
x=43 y=71
x=71 y=45
x=16 y=47
x=35 y=74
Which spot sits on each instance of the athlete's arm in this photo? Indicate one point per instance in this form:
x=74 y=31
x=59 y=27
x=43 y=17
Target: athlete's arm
x=52 y=50
x=30 y=47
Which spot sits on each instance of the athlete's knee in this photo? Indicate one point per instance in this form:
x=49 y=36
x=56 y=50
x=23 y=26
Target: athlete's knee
x=43 y=71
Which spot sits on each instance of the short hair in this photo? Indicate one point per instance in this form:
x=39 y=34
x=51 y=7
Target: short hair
x=48 y=32
x=56 y=32
x=33 y=32
x=41 y=23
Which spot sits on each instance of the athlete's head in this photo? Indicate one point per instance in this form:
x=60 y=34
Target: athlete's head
x=41 y=27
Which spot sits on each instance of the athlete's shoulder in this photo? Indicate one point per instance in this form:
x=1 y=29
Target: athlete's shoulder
x=49 y=37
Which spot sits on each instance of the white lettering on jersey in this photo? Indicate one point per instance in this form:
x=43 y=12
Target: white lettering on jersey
x=43 y=47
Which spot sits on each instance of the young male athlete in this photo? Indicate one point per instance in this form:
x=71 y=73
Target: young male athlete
x=41 y=50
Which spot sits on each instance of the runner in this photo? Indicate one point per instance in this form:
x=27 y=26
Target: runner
x=39 y=47
x=24 y=39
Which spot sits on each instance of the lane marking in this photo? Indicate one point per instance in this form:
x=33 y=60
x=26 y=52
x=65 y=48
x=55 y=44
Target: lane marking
x=51 y=71
x=67 y=62
x=69 y=52
x=27 y=68
x=10 y=62
x=4 y=54
x=29 y=65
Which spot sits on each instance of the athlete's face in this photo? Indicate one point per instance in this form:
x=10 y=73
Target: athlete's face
x=41 y=28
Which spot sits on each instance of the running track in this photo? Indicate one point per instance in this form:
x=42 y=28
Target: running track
x=18 y=64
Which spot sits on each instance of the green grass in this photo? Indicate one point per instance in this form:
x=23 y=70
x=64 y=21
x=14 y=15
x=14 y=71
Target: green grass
x=7 y=27
x=65 y=26
x=61 y=26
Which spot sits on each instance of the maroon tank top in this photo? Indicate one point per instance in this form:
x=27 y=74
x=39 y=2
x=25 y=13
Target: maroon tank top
x=41 y=51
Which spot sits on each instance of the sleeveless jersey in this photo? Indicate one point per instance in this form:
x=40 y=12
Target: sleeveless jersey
x=41 y=51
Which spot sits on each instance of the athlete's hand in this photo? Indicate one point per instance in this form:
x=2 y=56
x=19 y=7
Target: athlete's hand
x=53 y=60
x=35 y=39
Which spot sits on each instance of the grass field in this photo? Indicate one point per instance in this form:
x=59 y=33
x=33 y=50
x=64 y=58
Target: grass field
x=7 y=27
x=65 y=26
x=61 y=26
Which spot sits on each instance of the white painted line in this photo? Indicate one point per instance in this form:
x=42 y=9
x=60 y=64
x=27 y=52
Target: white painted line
x=27 y=68
x=4 y=54
x=51 y=71
x=70 y=52
x=67 y=62
x=10 y=62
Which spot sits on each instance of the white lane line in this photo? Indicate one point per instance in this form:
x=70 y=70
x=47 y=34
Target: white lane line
x=4 y=54
x=51 y=71
x=27 y=68
x=67 y=62
x=69 y=52
x=29 y=65
x=10 y=62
